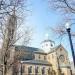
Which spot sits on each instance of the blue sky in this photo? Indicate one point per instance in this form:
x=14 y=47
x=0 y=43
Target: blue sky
x=42 y=17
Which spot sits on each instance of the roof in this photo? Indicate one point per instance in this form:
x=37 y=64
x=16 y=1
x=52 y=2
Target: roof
x=37 y=62
x=48 y=41
x=56 y=48
x=27 y=48
x=36 y=50
x=24 y=56
x=27 y=53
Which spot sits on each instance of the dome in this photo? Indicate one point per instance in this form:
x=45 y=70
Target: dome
x=46 y=45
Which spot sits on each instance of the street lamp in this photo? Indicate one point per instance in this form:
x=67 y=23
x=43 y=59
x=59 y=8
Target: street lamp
x=71 y=44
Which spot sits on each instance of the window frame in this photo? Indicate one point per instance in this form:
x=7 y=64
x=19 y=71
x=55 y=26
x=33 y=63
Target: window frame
x=29 y=69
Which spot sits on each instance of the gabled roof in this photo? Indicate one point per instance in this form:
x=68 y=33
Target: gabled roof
x=56 y=48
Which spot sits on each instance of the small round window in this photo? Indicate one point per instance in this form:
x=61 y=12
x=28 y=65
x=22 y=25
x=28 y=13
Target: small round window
x=51 y=45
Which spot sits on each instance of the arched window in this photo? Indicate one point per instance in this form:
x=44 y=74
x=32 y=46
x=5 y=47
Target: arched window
x=60 y=49
x=53 y=72
x=39 y=56
x=36 y=70
x=43 y=70
x=30 y=69
x=49 y=71
x=33 y=56
x=12 y=32
x=51 y=45
x=44 y=57
x=23 y=69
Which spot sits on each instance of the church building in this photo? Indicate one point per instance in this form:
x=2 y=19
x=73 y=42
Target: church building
x=47 y=60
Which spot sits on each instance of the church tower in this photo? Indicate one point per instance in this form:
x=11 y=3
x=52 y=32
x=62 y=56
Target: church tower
x=8 y=41
x=47 y=44
x=9 y=37
x=10 y=32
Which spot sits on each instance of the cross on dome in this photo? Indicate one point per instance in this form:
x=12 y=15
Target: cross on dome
x=47 y=36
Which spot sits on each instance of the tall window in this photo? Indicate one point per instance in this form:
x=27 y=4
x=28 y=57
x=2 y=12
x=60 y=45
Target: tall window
x=43 y=70
x=60 y=49
x=12 y=33
x=51 y=45
x=23 y=69
x=44 y=57
x=62 y=74
x=39 y=56
x=49 y=71
x=30 y=69
x=33 y=56
x=53 y=72
x=36 y=70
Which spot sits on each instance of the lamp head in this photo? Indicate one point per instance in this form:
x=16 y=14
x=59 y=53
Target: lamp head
x=67 y=25
x=21 y=62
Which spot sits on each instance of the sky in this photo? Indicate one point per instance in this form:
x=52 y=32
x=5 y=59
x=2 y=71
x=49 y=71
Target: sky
x=41 y=18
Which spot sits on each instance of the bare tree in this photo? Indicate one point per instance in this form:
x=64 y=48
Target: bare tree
x=64 y=6
x=10 y=37
x=11 y=15
x=67 y=6
x=60 y=31
x=27 y=36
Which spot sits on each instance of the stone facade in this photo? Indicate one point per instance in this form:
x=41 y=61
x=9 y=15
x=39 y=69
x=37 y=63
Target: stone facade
x=40 y=62
x=23 y=60
x=72 y=68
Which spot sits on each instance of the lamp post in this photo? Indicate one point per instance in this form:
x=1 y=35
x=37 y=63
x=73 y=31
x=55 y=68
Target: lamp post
x=71 y=44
